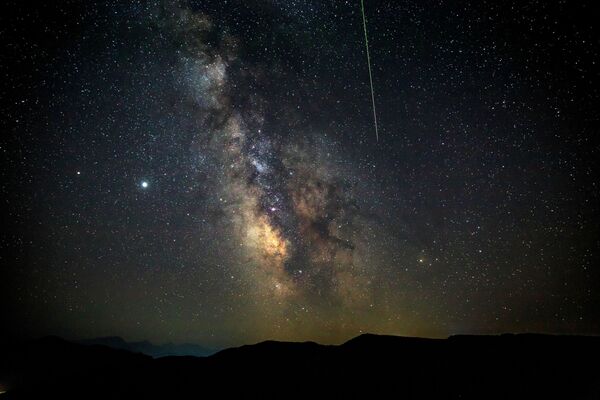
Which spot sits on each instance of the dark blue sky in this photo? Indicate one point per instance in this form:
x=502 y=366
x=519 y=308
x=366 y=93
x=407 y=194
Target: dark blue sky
x=208 y=171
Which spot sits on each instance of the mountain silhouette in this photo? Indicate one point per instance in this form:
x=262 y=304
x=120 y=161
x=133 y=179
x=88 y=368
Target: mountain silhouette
x=148 y=348
x=523 y=366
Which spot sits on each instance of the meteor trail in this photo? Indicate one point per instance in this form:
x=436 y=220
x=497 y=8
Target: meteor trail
x=362 y=7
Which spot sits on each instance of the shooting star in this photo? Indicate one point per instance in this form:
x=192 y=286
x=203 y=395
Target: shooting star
x=362 y=6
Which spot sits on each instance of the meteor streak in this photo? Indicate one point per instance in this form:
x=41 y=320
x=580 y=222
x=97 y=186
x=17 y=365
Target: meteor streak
x=362 y=6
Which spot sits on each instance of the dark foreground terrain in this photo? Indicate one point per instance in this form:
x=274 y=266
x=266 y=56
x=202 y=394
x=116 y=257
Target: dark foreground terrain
x=369 y=366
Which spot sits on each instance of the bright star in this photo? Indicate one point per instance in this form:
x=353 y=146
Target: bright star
x=144 y=184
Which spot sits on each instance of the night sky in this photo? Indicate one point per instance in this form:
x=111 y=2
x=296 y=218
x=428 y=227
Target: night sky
x=208 y=172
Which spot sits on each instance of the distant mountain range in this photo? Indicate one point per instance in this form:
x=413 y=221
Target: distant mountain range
x=369 y=366
x=150 y=349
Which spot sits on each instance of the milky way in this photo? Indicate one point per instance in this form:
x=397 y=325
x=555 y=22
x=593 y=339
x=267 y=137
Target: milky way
x=285 y=204
x=207 y=171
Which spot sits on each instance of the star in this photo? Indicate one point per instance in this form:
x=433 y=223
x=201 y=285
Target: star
x=144 y=184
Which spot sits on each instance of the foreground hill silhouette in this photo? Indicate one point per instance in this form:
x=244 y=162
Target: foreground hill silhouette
x=460 y=367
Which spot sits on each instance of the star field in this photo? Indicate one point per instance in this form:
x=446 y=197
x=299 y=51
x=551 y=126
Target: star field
x=207 y=171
